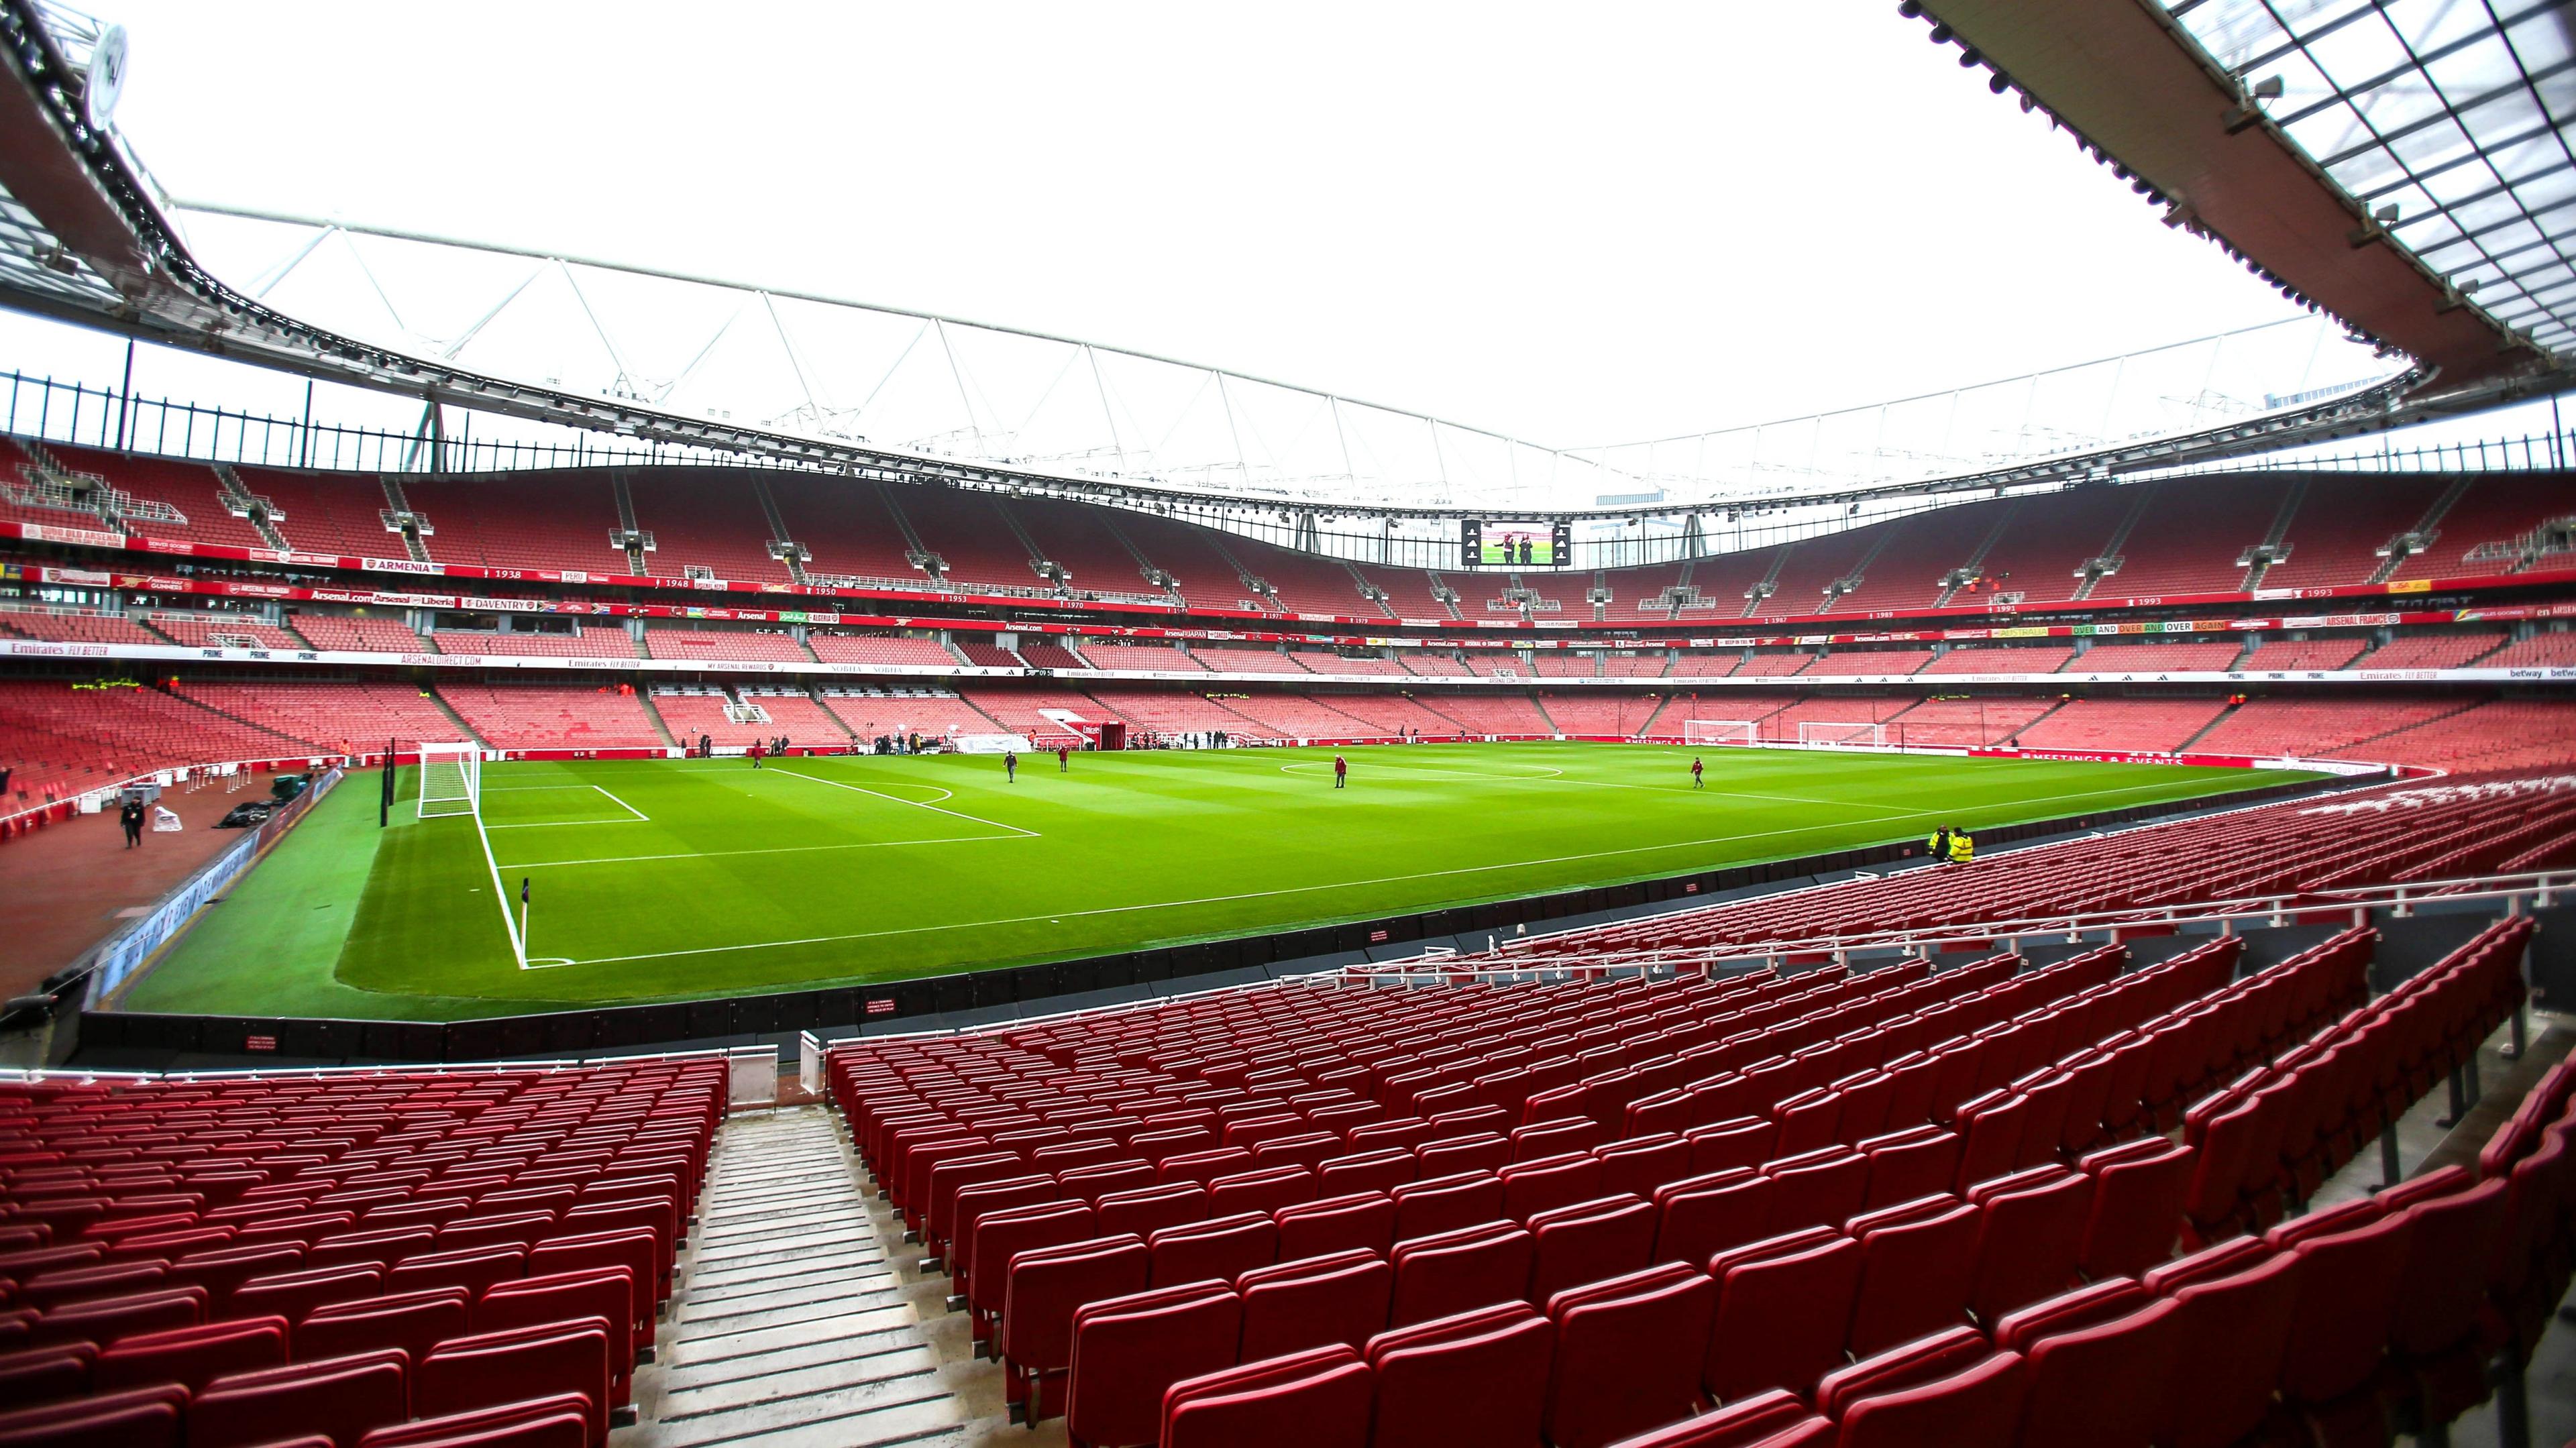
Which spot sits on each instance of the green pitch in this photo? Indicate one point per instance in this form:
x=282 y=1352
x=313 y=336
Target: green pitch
x=679 y=878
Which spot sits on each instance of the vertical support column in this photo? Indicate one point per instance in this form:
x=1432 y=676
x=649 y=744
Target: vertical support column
x=2390 y=1174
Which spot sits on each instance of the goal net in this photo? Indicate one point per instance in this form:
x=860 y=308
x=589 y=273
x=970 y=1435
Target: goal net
x=451 y=779
x=1717 y=731
x=1815 y=733
x=993 y=744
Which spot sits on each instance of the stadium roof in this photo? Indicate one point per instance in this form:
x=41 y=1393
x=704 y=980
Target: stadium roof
x=2401 y=164
x=86 y=236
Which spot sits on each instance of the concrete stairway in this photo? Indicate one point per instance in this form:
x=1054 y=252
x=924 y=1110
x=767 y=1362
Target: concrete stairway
x=788 y=1327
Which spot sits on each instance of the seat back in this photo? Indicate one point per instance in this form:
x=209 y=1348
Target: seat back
x=1588 y=1241
x=1978 y=1407
x=490 y=1369
x=1700 y=1216
x=152 y=1417
x=341 y=1398
x=1783 y=1306
x=1218 y=1249
x=1918 y=1267
x=1628 y=1354
x=1314 y=1399
x=1452 y=1272
x=191 y=1356
x=1335 y=1224
x=411 y=1321
x=1477 y=1377
x=1128 y=1350
x=1339 y=1299
x=2233 y=1336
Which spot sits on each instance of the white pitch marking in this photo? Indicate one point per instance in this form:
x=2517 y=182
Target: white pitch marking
x=773 y=850
x=895 y=799
x=621 y=804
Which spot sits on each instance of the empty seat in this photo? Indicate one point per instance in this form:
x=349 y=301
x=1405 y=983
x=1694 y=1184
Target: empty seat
x=1915 y=1162
x=1918 y=1267
x=1820 y=1188
x=1782 y=1308
x=2030 y=1238
x=472 y=1268
x=45 y=1374
x=412 y=1321
x=1314 y=1399
x=2138 y=1191
x=489 y=1369
x=1700 y=1216
x=1128 y=1350
x=340 y=1398
x=2347 y=1293
x=192 y=1356
x=1264 y=1190
x=1641 y=1164
x=1476 y=1377
x=1379 y=1170
x=1218 y=1249
x=1453 y=1272
x=106 y=1319
x=1335 y=1224
x=593 y=1292
x=1766 y=1420
x=2234 y=1334
x=2099 y=1363
x=1145 y=1210
x=150 y=1417
x=557 y=1421
x=1341 y=1298
x=1977 y=1407
x=1045 y=1287
x=1629 y=1353
x=1446 y=1203
x=1588 y=1241
x=291 y=1295
x=1532 y=1187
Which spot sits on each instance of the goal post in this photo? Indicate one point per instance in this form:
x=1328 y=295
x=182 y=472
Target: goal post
x=1825 y=734
x=1718 y=731
x=451 y=780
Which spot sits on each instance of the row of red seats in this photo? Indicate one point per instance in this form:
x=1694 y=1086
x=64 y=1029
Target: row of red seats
x=1022 y=1221
x=1720 y=1187
x=223 y=1262
x=2337 y=1325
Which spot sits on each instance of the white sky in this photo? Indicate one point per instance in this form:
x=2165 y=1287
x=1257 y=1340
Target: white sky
x=1577 y=224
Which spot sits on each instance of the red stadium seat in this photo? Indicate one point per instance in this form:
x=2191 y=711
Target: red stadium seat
x=1476 y=1377
x=1314 y=1399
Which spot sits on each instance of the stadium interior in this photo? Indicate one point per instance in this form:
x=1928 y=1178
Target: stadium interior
x=2242 y=1114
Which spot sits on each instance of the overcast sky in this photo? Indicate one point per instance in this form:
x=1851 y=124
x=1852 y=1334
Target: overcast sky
x=1577 y=224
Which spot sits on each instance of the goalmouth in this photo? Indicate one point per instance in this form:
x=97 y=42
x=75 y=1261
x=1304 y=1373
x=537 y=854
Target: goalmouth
x=1718 y=731
x=451 y=780
x=1821 y=734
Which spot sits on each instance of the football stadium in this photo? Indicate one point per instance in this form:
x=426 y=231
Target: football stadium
x=611 y=844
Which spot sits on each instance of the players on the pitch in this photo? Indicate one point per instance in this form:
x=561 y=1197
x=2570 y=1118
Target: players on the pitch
x=1696 y=781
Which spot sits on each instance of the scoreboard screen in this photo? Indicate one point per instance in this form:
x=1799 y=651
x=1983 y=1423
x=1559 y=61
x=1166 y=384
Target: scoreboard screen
x=1517 y=544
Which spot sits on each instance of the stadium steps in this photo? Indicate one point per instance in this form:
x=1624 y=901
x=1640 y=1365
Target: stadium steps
x=463 y=729
x=1360 y=585
x=414 y=546
x=2119 y=540
x=2026 y=728
x=2197 y=734
x=1541 y=706
x=645 y=698
x=1760 y=593
x=254 y=511
x=780 y=539
x=1146 y=568
x=1976 y=561
x=245 y=722
x=788 y=1326
x=2427 y=528
x=2280 y=529
x=2459 y=708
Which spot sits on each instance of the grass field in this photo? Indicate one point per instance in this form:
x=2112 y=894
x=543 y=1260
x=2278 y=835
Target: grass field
x=670 y=878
